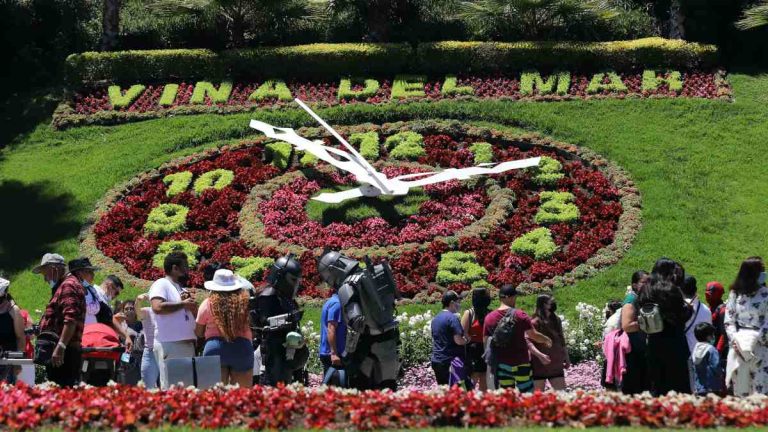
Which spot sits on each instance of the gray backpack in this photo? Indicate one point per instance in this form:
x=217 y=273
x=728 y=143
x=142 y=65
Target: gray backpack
x=649 y=319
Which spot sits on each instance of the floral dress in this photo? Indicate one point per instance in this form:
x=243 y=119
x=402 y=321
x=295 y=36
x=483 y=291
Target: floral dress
x=751 y=312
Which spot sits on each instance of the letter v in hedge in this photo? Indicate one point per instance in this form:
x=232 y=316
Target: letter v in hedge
x=557 y=83
x=217 y=96
x=118 y=99
x=652 y=81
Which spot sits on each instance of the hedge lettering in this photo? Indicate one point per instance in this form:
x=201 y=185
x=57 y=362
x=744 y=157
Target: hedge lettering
x=407 y=86
x=272 y=89
x=118 y=99
x=371 y=86
x=557 y=83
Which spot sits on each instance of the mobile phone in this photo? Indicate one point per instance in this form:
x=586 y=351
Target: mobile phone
x=761 y=279
x=125 y=357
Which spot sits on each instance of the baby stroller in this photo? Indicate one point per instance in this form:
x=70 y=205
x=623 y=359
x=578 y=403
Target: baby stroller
x=101 y=353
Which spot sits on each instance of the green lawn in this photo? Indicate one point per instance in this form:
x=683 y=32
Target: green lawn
x=699 y=165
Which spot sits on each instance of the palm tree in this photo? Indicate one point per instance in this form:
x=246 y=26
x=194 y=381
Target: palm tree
x=756 y=16
x=529 y=19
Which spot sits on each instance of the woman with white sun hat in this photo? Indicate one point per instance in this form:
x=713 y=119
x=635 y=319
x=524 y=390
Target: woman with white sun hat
x=223 y=321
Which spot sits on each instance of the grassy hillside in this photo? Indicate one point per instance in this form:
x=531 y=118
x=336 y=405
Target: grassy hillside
x=698 y=163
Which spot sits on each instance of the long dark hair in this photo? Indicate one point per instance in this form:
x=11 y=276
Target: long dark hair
x=481 y=299
x=670 y=300
x=668 y=270
x=548 y=323
x=747 y=280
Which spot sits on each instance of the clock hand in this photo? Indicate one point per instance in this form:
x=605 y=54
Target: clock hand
x=375 y=175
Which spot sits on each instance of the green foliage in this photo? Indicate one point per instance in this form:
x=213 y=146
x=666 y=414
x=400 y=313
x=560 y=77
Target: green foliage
x=405 y=145
x=367 y=143
x=166 y=219
x=456 y=266
x=215 y=179
x=251 y=268
x=190 y=250
x=482 y=151
x=308 y=159
x=557 y=83
x=651 y=81
x=371 y=86
x=597 y=84
x=754 y=16
x=279 y=154
x=537 y=243
x=272 y=89
x=169 y=95
x=177 y=182
x=205 y=88
x=118 y=99
x=549 y=172
x=407 y=86
x=556 y=207
x=451 y=88
x=391 y=208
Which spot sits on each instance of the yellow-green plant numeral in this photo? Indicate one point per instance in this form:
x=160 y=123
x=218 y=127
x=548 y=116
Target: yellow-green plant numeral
x=217 y=95
x=279 y=154
x=537 y=243
x=169 y=95
x=166 y=219
x=272 y=89
x=614 y=84
x=405 y=145
x=556 y=207
x=451 y=87
x=408 y=86
x=652 y=81
x=557 y=83
x=190 y=250
x=177 y=182
x=251 y=268
x=482 y=151
x=460 y=267
x=217 y=179
x=549 y=172
x=367 y=143
x=118 y=99
x=370 y=87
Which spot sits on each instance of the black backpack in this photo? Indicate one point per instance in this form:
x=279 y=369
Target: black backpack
x=504 y=333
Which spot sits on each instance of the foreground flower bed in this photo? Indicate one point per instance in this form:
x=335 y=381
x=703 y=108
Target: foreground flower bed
x=124 y=408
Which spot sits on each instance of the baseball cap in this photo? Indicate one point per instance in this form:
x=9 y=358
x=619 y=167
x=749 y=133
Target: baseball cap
x=508 y=290
x=49 y=259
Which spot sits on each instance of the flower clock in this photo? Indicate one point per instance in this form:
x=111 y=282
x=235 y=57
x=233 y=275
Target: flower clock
x=244 y=205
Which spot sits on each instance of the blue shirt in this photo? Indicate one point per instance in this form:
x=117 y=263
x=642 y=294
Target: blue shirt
x=445 y=326
x=332 y=312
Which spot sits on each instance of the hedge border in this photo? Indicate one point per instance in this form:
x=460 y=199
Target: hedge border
x=629 y=223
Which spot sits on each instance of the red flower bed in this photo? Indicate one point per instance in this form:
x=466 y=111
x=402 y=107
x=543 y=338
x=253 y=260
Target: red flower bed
x=455 y=216
x=123 y=408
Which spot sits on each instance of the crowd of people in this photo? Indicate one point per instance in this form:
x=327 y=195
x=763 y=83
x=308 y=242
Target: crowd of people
x=661 y=337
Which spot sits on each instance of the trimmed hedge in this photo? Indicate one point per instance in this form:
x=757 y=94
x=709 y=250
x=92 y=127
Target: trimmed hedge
x=333 y=61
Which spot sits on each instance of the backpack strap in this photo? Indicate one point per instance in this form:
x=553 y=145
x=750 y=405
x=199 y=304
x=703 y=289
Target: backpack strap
x=693 y=317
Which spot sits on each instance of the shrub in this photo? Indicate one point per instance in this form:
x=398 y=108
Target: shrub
x=388 y=207
x=205 y=88
x=406 y=86
x=652 y=81
x=279 y=154
x=177 y=182
x=371 y=86
x=308 y=159
x=482 y=151
x=169 y=95
x=557 y=83
x=405 y=145
x=597 y=84
x=118 y=99
x=215 y=179
x=251 y=268
x=556 y=207
x=190 y=250
x=367 y=143
x=459 y=267
x=549 y=172
x=272 y=89
x=450 y=87
x=537 y=243
x=166 y=219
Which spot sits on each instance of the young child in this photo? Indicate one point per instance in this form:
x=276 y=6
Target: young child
x=706 y=361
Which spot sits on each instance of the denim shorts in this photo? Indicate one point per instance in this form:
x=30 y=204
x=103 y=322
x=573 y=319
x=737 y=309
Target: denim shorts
x=236 y=355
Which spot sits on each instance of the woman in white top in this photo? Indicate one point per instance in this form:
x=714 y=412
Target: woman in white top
x=150 y=372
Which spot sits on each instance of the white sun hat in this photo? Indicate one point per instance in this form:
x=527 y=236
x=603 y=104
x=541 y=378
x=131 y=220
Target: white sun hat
x=224 y=280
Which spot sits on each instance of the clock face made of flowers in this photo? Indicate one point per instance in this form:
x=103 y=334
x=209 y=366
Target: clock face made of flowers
x=244 y=205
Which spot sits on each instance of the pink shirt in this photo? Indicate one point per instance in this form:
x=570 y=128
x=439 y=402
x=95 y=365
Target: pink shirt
x=205 y=318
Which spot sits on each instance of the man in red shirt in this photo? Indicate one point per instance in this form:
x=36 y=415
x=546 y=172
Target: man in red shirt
x=513 y=361
x=65 y=316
